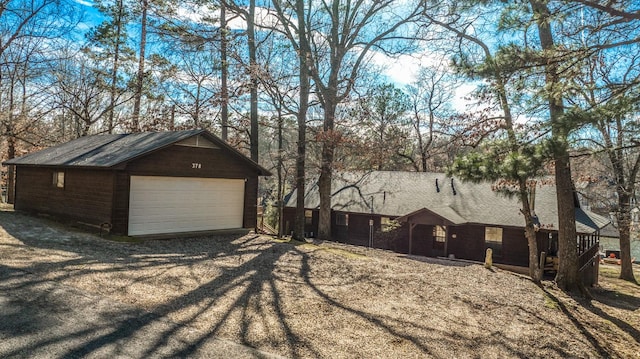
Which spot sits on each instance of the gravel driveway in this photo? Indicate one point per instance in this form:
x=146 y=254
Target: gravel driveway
x=299 y=300
x=45 y=319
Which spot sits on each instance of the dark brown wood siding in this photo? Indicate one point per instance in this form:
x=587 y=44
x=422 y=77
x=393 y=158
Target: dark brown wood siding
x=250 y=219
x=466 y=242
x=86 y=196
x=178 y=161
x=120 y=216
x=515 y=249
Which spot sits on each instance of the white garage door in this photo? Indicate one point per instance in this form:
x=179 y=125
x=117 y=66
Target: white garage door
x=181 y=204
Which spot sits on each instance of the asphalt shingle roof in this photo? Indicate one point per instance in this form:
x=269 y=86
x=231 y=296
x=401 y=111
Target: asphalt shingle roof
x=105 y=151
x=393 y=193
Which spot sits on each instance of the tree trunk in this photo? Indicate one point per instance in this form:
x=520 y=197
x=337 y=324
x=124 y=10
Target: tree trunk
x=135 y=118
x=567 y=276
x=11 y=179
x=535 y=272
x=115 y=67
x=279 y=167
x=326 y=168
x=303 y=57
x=224 y=73
x=624 y=223
x=253 y=63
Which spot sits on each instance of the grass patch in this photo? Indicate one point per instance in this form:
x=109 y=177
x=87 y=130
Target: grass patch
x=339 y=252
x=609 y=272
x=550 y=303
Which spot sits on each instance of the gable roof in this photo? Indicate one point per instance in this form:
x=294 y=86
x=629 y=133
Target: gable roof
x=395 y=194
x=107 y=151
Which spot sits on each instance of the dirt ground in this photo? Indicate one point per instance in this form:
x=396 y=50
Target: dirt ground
x=328 y=300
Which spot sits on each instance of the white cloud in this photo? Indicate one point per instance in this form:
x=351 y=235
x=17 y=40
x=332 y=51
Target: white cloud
x=88 y=3
x=461 y=102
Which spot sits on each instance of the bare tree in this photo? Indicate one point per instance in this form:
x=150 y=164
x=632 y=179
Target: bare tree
x=430 y=97
x=27 y=33
x=341 y=35
x=139 y=82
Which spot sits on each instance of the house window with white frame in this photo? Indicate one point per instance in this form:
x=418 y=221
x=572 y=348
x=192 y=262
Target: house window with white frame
x=308 y=216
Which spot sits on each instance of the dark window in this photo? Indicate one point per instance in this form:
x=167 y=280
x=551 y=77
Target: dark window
x=342 y=219
x=58 y=179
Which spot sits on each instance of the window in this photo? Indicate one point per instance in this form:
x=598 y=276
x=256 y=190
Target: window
x=58 y=179
x=342 y=219
x=308 y=216
x=493 y=239
x=439 y=234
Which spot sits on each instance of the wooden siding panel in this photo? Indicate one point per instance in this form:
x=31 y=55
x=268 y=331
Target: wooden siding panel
x=120 y=216
x=183 y=161
x=358 y=231
x=515 y=248
x=86 y=196
x=468 y=242
x=250 y=215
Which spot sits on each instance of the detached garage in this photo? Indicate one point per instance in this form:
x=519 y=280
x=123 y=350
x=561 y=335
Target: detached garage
x=142 y=184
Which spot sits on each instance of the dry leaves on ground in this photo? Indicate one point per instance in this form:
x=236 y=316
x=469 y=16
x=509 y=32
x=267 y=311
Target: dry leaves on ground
x=329 y=300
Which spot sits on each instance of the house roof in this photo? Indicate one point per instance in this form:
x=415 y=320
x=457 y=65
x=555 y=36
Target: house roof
x=107 y=151
x=396 y=194
x=610 y=231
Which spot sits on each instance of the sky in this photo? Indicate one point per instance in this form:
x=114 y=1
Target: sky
x=401 y=70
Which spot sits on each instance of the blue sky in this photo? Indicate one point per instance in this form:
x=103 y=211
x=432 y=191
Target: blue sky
x=401 y=70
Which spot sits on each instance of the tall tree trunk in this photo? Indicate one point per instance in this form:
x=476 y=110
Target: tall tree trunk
x=224 y=73
x=523 y=189
x=535 y=272
x=253 y=76
x=625 y=189
x=135 y=118
x=279 y=168
x=326 y=168
x=624 y=225
x=304 y=56
x=115 y=67
x=11 y=179
x=567 y=276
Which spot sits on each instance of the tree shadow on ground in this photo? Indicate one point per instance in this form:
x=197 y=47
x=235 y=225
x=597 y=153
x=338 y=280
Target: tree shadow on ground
x=613 y=298
x=602 y=349
x=247 y=289
x=249 y=282
x=628 y=303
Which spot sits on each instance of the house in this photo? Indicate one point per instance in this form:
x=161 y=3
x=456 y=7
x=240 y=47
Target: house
x=149 y=183
x=434 y=215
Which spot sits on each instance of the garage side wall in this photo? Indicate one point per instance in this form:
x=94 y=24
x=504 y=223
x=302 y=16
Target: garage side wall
x=86 y=195
x=186 y=161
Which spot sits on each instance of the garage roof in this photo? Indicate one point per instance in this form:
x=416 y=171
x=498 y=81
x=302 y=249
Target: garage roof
x=106 y=151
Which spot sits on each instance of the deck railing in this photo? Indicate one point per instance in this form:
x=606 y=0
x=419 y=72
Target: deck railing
x=588 y=249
